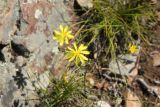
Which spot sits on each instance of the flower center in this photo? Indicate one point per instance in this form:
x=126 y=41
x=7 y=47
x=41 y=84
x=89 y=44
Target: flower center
x=77 y=53
x=64 y=34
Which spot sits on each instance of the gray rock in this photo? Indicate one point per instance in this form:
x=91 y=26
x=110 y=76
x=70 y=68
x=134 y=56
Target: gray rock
x=93 y=97
x=85 y=3
x=31 y=28
x=123 y=64
x=102 y=104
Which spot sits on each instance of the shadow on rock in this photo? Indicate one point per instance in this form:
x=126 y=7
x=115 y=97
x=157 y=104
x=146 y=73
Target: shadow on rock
x=16 y=103
x=20 y=79
x=2 y=58
x=20 y=49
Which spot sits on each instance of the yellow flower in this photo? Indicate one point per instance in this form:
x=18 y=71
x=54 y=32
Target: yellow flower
x=77 y=54
x=63 y=36
x=66 y=76
x=133 y=48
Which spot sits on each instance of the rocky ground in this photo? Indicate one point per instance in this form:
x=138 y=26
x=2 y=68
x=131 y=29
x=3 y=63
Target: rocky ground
x=28 y=53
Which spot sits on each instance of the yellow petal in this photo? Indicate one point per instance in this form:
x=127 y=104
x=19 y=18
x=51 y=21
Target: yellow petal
x=66 y=40
x=69 y=32
x=66 y=29
x=57 y=32
x=133 y=49
x=82 y=47
x=61 y=42
x=70 y=36
x=72 y=58
x=68 y=56
x=75 y=46
x=82 y=60
x=83 y=57
x=61 y=28
x=129 y=45
x=85 y=52
x=71 y=49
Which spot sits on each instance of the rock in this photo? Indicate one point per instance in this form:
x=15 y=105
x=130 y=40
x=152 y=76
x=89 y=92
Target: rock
x=92 y=97
x=20 y=61
x=38 y=13
x=29 y=25
x=156 y=58
x=8 y=15
x=55 y=50
x=124 y=64
x=43 y=80
x=32 y=11
x=102 y=104
x=85 y=3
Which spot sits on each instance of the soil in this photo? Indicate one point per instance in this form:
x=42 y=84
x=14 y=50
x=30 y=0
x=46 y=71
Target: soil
x=148 y=72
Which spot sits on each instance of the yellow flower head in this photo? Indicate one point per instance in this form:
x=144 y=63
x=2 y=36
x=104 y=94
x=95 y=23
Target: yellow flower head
x=77 y=54
x=63 y=36
x=133 y=48
x=66 y=77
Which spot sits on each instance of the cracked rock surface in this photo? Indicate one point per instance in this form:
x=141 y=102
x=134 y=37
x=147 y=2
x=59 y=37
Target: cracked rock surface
x=28 y=54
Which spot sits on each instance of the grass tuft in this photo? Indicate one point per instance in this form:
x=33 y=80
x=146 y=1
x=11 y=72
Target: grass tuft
x=113 y=24
x=62 y=92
